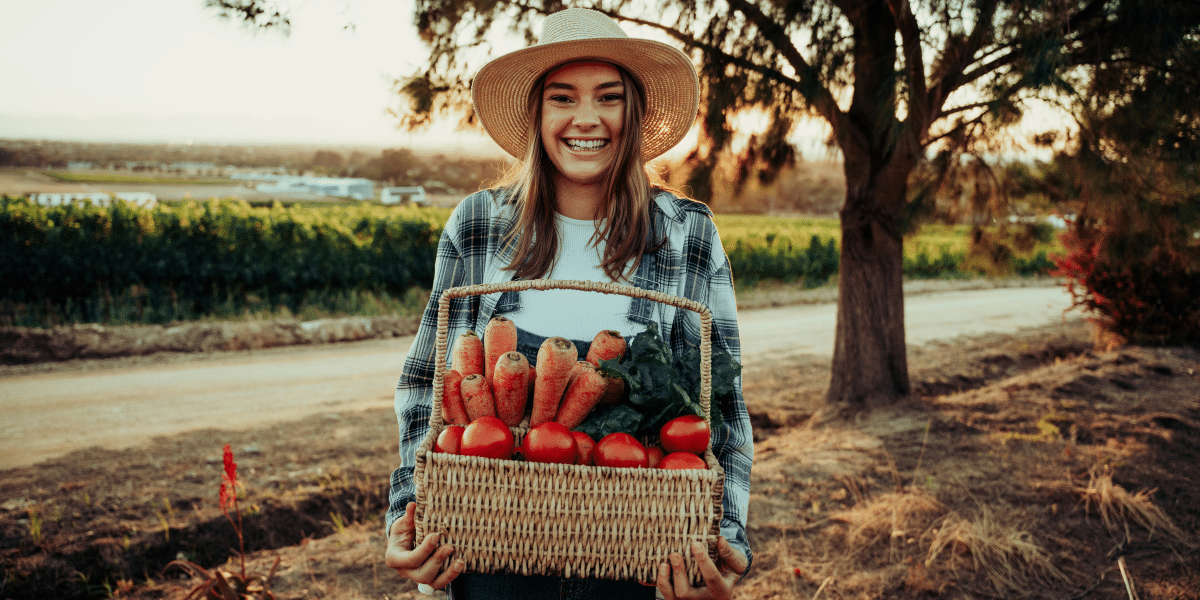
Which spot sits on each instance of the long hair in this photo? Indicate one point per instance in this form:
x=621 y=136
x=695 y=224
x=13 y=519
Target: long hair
x=625 y=207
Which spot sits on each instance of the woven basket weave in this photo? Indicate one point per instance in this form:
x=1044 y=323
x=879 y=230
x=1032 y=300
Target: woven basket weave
x=505 y=516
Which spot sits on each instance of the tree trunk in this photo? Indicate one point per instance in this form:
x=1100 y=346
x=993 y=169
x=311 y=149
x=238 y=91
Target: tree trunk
x=870 y=361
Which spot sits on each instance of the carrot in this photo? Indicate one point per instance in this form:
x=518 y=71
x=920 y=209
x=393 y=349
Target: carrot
x=556 y=358
x=499 y=338
x=607 y=345
x=581 y=397
x=532 y=379
x=510 y=387
x=468 y=354
x=614 y=390
x=477 y=395
x=453 y=410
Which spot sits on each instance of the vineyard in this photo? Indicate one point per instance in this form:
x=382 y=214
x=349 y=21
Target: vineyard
x=225 y=258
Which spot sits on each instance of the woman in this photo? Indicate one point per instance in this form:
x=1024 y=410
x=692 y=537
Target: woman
x=584 y=109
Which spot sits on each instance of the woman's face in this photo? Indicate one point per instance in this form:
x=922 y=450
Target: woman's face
x=583 y=111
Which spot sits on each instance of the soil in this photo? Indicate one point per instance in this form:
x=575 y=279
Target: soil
x=1031 y=465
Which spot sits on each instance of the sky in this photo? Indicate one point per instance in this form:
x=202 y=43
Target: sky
x=168 y=70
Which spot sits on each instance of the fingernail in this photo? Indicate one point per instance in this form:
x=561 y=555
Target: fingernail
x=676 y=559
x=459 y=565
x=697 y=548
x=663 y=570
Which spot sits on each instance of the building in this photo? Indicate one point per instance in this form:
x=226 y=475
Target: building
x=356 y=188
x=396 y=195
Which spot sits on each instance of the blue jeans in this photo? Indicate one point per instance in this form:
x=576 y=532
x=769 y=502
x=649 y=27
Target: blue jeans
x=470 y=586
x=529 y=344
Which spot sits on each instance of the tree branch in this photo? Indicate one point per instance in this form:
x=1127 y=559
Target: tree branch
x=772 y=74
x=952 y=77
x=914 y=62
x=821 y=99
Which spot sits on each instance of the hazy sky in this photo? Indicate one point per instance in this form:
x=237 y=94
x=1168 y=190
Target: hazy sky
x=135 y=68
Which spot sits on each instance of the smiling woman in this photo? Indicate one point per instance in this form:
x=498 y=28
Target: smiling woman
x=583 y=110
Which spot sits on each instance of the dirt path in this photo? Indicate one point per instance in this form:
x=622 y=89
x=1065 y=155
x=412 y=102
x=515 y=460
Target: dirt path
x=50 y=414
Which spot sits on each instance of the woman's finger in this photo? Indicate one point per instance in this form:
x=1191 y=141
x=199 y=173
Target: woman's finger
x=427 y=571
x=717 y=585
x=443 y=580
x=683 y=586
x=663 y=583
x=734 y=559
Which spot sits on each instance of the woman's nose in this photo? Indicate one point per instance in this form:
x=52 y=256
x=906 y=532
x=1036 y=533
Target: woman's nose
x=587 y=115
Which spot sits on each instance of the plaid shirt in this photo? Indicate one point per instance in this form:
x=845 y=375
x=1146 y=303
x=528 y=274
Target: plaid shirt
x=691 y=264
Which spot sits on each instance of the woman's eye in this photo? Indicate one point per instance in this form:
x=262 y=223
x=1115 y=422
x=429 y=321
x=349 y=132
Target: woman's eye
x=613 y=98
x=559 y=99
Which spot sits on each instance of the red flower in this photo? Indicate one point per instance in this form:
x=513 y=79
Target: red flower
x=229 y=482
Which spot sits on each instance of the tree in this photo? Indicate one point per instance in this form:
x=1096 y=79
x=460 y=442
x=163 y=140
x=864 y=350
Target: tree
x=895 y=81
x=1134 y=247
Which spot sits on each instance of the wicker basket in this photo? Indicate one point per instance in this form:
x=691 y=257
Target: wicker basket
x=505 y=516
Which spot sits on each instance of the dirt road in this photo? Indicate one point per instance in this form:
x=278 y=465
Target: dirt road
x=50 y=414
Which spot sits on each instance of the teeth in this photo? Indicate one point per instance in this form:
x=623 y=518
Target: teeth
x=586 y=144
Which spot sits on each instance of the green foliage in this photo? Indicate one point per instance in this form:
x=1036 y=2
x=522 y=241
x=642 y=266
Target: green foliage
x=73 y=263
x=660 y=387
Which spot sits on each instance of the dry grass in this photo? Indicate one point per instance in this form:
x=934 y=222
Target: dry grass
x=1006 y=557
x=1118 y=508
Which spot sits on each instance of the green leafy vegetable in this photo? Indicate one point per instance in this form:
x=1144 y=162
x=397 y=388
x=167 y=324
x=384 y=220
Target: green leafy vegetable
x=660 y=388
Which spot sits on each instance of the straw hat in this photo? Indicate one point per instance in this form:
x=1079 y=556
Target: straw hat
x=666 y=75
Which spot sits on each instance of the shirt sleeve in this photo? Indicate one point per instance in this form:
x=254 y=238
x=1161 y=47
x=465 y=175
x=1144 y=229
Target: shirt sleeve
x=733 y=442
x=414 y=390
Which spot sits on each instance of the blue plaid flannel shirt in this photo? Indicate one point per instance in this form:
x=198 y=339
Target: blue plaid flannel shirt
x=691 y=264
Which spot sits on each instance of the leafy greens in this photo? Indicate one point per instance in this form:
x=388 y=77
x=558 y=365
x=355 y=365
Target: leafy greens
x=660 y=388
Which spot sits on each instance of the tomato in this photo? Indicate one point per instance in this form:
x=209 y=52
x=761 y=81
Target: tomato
x=585 y=444
x=682 y=460
x=656 y=454
x=688 y=433
x=488 y=437
x=449 y=440
x=620 y=450
x=550 y=442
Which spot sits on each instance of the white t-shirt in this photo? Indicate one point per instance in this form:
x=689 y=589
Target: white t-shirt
x=574 y=314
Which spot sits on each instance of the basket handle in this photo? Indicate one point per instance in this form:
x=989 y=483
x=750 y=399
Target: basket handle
x=441 y=342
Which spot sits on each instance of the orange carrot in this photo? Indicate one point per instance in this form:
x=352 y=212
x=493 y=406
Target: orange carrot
x=499 y=338
x=614 y=390
x=510 y=387
x=454 y=411
x=556 y=358
x=477 y=395
x=581 y=397
x=468 y=354
x=607 y=345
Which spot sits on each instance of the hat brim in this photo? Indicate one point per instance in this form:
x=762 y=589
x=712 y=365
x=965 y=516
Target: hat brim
x=501 y=89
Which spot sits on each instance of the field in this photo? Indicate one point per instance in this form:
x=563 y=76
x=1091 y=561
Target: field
x=1024 y=466
x=101 y=177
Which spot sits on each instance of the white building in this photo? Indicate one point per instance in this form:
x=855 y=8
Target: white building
x=356 y=188
x=395 y=195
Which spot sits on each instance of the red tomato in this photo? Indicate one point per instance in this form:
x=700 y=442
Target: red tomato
x=449 y=440
x=682 y=460
x=688 y=433
x=488 y=437
x=585 y=444
x=550 y=442
x=656 y=454
x=620 y=450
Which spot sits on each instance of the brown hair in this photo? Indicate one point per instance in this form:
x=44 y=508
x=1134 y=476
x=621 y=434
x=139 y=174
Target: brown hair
x=625 y=209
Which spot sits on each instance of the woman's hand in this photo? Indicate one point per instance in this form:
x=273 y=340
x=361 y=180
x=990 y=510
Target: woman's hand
x=718 y=578
x=423 y=564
